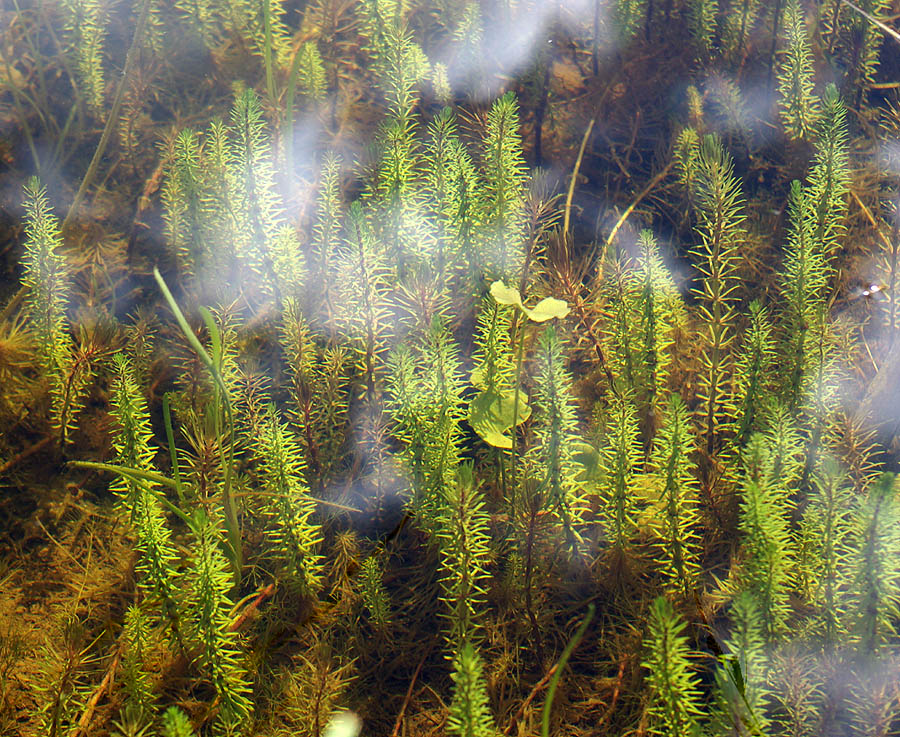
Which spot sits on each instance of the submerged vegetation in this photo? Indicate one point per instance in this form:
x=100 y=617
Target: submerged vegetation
x=450 y=368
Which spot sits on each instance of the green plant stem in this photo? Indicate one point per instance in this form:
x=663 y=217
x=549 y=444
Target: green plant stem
x=776 y=23
x=113 y=117
x=520 y=354
x=564 y=658
x=529 y=569
x=571 y=192
x=288 y=130
x=541 y=111
x=892 y=285
x=58 y=158
x=267 y=50
x=173 y=453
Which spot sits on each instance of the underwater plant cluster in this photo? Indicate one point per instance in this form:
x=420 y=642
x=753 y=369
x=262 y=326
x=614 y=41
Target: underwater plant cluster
x=514 y=367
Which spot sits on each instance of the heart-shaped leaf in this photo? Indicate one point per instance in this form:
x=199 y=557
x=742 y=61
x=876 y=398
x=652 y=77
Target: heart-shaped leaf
x=505 y=295
x=547 y=309
x=491 y=415
x=586 y=456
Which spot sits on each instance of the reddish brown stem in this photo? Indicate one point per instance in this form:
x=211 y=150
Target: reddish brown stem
x=538 y=687
x=406 y=699
x=30 y=451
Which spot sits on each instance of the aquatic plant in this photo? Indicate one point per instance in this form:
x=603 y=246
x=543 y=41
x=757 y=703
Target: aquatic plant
x=675 y=707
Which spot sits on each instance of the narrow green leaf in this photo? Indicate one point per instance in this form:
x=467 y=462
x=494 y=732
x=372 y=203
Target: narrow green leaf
x=173 y=452
x=182 y=322
x=215 y=337
x=561 y=664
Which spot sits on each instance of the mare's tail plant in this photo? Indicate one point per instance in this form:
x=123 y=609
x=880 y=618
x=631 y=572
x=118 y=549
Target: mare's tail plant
x=209 y=631
x=132 y=443
x=325 y=245
x=455 y=199
x=718 y=204
x=701 y=17
x=556 y=473
x=363 y=285
x=374 y=596
x=805 y=280
x=47 y=281
x=853 y=41
x=295 y=538
x=675 y=707
x=743 y=691
x=61 y=682
x=798 y=106
x=137 y=635
x=426 y=402
x=464 y=540
x=84 y=27
x=677 y=518
x=175 y=723
x=503 y=192
x=470 y=714
x=186 y=207
x=829 y=177
x=646 y=311
x=490 y=411
x=662 y=313
x=766 y=568
x=320 y=392
x=222 y=415
x=876 y=584
x=826 y=537
x=753 y=373
x=620 y=453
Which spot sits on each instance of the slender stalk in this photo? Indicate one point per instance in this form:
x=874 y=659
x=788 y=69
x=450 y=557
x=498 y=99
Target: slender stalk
x=173 y=453
x=520 y=353
x=529 y=569
x=776 y=22
x=288 y=131
x=563 y=659
x=113 y=117
x=892 y=285
x=541 y=111
x=571 y=192
x=267 y=50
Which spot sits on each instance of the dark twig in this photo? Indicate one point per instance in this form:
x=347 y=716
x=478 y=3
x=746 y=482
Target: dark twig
x=406 y=699
x=105 y=685
x=538 y=687
x=29 y=451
